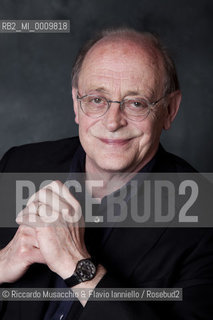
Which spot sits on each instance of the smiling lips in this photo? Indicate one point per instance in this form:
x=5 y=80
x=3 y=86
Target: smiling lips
x=115 y=142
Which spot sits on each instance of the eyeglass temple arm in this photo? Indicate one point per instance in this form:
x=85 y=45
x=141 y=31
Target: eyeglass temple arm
x=153 y=103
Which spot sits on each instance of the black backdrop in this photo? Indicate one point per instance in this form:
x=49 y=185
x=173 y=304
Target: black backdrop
x=35 y=95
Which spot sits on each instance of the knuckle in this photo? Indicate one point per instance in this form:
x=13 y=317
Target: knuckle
x=42 y=193
x=23 y=239
x=76 y=205
x=23 y=250
x=56 y=184
x=44 y=211
x=67 y=211
x=22 y=231
x=63 y=206
x=33 y=206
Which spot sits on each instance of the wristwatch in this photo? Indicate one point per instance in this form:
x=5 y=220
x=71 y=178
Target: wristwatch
x=85 y=270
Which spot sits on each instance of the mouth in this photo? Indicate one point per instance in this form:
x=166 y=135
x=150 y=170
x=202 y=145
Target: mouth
x=115 y=142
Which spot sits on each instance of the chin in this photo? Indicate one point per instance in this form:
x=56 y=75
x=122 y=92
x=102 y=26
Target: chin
x=113 y=165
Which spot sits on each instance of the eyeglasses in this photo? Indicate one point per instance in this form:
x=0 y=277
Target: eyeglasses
x=136 y=109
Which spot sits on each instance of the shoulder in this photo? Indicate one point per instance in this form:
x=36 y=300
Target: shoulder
x=41 y=157
x=168 y=162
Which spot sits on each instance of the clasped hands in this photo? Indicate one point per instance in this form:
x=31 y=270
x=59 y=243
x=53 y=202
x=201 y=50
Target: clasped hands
x=51 y=231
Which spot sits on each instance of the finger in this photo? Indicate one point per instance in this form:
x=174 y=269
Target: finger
x=32 y=208
x=26 y=230
x=28 y=210
x=31 y=220
x=48 y=197
x=27 y=236
x=53 y=212
x=55 y=186
x=45 y=196
x=45 y=215
x=63 y=192
x=53 y=200
x=58 y=196
x=49 y=215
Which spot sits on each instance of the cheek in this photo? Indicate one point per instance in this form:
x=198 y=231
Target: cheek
x=145 y=127
x=85 y=125
x=150 y=131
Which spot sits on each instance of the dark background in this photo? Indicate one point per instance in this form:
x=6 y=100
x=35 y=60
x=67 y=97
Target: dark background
x=35 y=93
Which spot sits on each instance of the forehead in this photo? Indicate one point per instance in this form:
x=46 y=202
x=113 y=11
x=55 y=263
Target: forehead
x=121 y=65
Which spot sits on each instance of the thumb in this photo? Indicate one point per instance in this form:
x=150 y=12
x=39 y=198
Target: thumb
x=36 y=256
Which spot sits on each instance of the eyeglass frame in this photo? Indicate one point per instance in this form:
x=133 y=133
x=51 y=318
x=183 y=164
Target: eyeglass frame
x=109 y=102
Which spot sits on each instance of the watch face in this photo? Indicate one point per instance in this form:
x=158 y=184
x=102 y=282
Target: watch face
x=85 y=270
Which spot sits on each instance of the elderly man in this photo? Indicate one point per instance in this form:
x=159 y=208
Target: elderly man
x=125 y=92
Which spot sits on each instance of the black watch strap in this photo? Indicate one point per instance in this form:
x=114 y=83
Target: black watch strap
x=72 y=281
x=78 y=277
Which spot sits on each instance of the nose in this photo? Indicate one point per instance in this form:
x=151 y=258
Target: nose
x=114 y=119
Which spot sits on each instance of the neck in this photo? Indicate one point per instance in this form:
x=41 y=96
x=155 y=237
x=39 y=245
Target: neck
x=111 y=181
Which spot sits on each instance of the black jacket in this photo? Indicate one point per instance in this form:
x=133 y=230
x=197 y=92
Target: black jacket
x=133 y=257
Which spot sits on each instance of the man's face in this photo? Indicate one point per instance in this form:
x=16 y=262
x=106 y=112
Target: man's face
x=112 y=142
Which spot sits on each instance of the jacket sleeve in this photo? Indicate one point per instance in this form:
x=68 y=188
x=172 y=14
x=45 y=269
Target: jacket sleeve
x=196 y=304
x=3 y=164
x=195 y=277
x=125 y=310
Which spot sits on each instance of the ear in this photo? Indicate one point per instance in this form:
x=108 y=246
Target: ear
x=75 y=103
x=172 y=108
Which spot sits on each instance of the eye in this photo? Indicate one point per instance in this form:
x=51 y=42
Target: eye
x=137 y=104
x=96 y=100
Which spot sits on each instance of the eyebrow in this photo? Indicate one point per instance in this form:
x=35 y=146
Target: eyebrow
x=99 y=89
x=102 y=89
x=128 y=93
